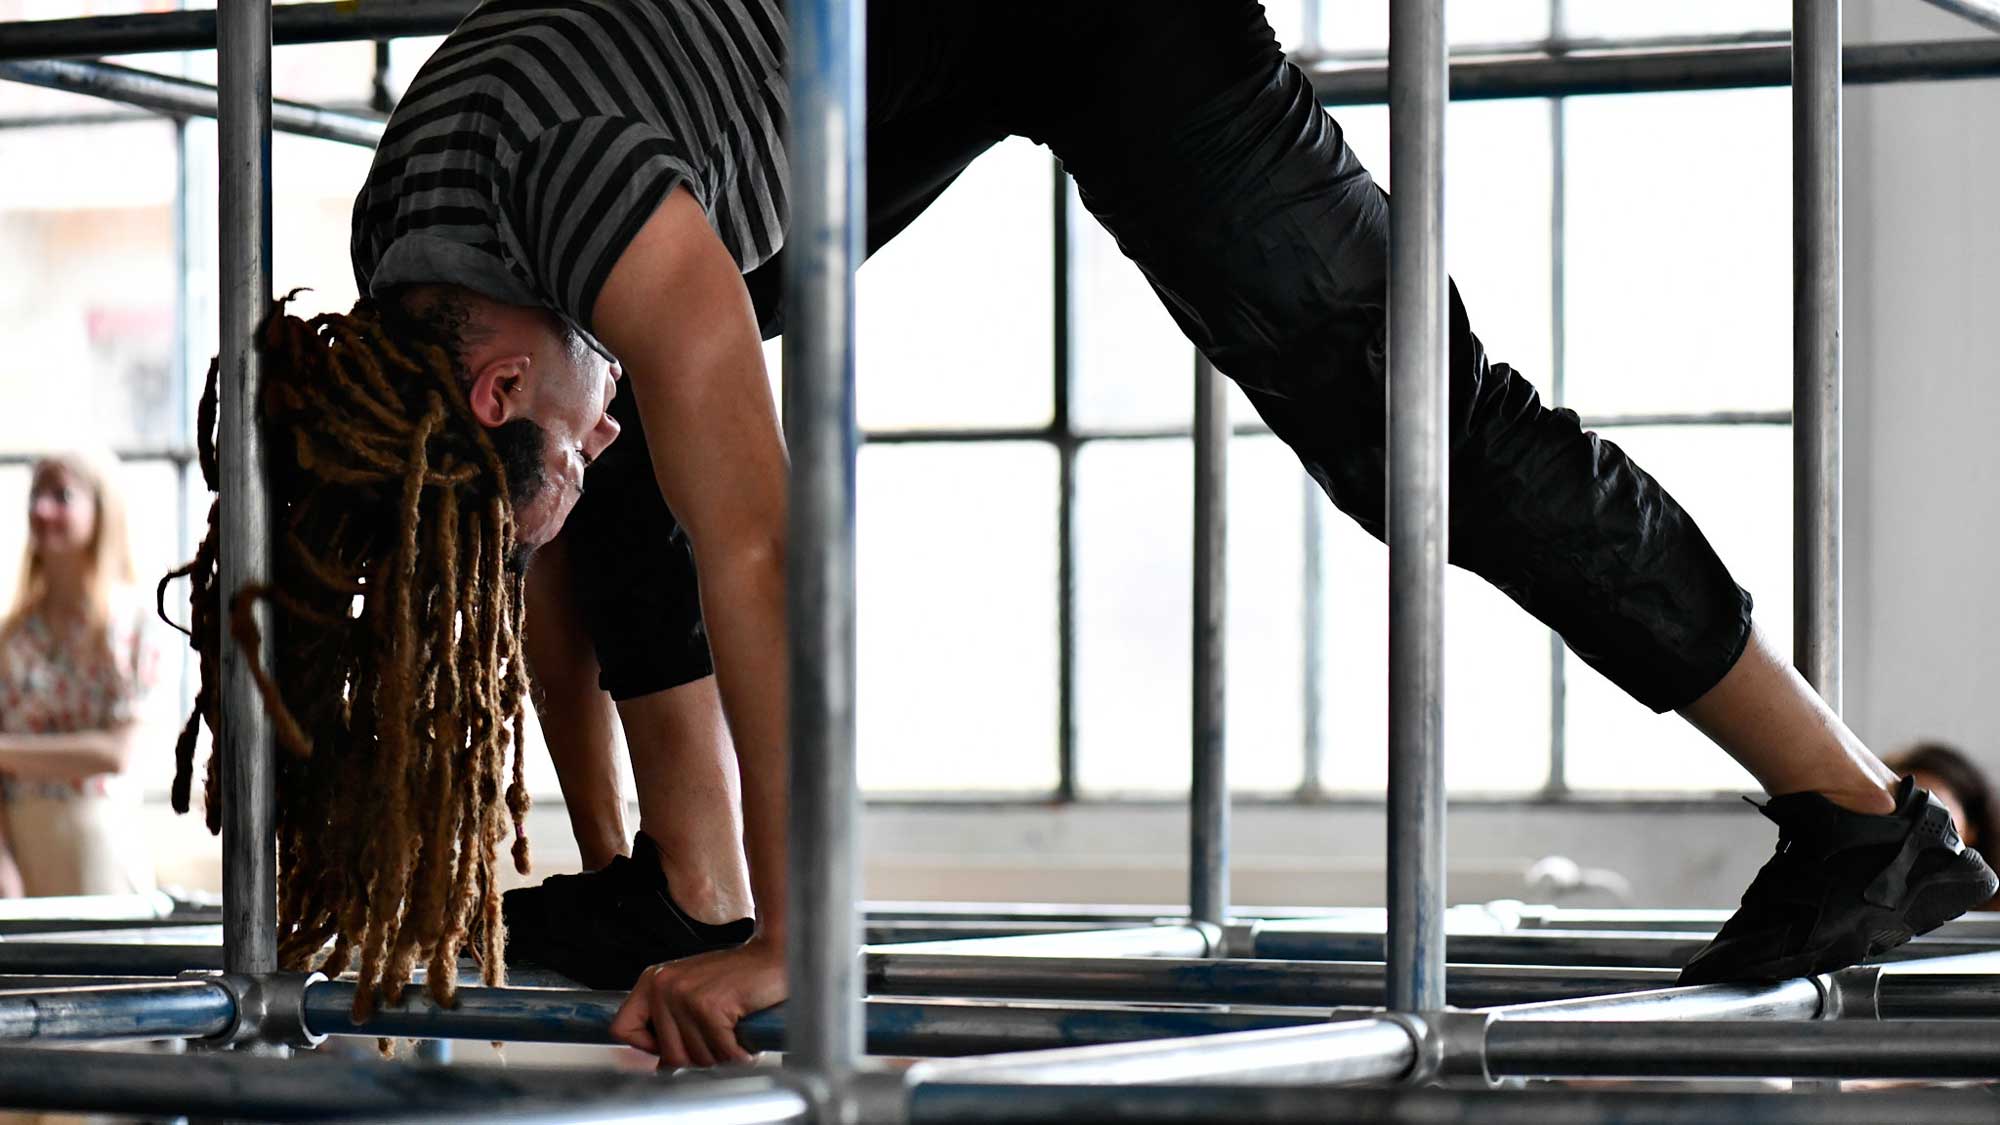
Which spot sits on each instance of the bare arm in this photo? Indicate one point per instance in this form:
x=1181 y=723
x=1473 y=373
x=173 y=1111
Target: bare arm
x=676 y=313
x=63 y=757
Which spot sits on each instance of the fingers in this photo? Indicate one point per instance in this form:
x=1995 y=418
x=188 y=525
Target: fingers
x=717 y=1022
x=630 y=1025
x=666 y=1028
x=686 y=1012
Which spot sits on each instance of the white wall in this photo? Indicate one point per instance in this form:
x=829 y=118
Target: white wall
x=1923 y=399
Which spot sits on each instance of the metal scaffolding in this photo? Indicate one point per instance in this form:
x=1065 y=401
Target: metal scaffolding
x=1032 y=1013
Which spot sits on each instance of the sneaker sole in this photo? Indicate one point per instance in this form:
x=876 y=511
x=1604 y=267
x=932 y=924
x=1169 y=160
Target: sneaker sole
x=1875 y=931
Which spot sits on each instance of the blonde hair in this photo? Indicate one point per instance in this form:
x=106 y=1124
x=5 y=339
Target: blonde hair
x=107 y=559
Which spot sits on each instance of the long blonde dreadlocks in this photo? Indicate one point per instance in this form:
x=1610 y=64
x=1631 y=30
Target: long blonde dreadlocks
x=398 y=693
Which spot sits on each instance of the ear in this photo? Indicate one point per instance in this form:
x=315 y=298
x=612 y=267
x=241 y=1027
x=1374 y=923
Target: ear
x=499 y=390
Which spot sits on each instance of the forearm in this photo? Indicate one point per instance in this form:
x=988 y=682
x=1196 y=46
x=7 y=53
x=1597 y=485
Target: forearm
x=744 y=601
x=61 y=757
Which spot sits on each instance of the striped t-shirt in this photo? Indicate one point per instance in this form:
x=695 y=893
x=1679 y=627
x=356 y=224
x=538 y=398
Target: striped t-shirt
x=539 y=138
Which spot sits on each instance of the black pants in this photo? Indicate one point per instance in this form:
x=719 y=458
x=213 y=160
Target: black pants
x=1207 y=156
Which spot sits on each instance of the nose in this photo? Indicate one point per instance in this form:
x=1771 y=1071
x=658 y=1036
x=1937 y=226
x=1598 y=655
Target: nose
x=601 y=438
x=617 y=373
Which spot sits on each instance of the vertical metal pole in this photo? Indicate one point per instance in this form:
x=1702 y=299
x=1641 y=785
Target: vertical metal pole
x=1208 y=796
x=243 y=126
x=1312 y=781
x=1417 y=504
x=823 y=247
x=1816 y=312
x=1558 y=780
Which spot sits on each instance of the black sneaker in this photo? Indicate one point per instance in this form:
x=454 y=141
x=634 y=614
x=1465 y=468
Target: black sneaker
x=1844 y=887
x=605 y=927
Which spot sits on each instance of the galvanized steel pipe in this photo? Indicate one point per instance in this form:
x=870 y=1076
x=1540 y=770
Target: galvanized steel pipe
x=822 y=249
x=1417 y=504
x=1816 y=327
x=243 y=129
x=158 y=1010
x=167 y=94
x=1736 y=1049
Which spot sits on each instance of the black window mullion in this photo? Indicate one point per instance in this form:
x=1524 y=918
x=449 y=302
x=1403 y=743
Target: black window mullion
x=1061 y=425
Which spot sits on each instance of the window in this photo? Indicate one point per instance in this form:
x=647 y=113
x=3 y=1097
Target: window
x=1587 y=262
x=1024 y=539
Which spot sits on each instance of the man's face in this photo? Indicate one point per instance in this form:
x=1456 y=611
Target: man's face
x=569 y=395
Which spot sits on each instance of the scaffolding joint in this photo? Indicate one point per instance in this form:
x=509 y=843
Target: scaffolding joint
x=1427 y=1045
x=869 y=1095
x=1850 y=994
x=1237 y=940
x=270 y=1008
x=1461 y=1036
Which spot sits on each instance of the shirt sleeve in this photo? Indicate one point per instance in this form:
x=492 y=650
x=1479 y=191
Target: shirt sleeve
x=577 y=193
x=138 y=654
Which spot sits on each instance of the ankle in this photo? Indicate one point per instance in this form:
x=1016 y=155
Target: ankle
x=703 y=893
x=1870 y=800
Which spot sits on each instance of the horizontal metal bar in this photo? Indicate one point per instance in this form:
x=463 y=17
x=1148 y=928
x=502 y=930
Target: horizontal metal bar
x=1637 y=72
x=1139 y=941
x=29 y=982
x=1985 y=13
x=518 y=1015
x=161 y=932
x=1779 y=1000
x=946 y=435
x=986 y=1104
x=194 y=30
x=1559 y=45
x=1352 y=1051
x=525 y=1015
x=44 y=908
x=48 y=927
x=954 y=930
x=74 y=120
x=1690 y=418
x=698 y=1103
x=1937 y=996
x=167 y=1010
x=100 y=959
x=180 y=96
x=1209 y=981
x=237 y=1086
x=1287 y=941
x=1743 y=1049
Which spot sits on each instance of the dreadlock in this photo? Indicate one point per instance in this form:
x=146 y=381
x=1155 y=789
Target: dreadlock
x=398 y=598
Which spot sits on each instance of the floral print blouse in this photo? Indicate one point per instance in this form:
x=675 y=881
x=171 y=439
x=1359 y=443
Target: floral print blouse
x=56 y=678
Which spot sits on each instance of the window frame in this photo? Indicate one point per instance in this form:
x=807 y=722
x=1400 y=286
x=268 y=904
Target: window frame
x=1068 y=438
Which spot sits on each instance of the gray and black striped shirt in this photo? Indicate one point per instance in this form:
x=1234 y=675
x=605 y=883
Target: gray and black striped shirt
x=539 y=138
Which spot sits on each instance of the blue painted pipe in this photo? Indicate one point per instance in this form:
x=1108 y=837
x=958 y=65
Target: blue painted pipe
x=165 y=1010
x=894 y=1027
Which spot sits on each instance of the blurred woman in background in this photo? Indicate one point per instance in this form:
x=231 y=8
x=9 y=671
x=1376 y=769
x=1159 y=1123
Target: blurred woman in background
x=76 y=667
x=1961 y=786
